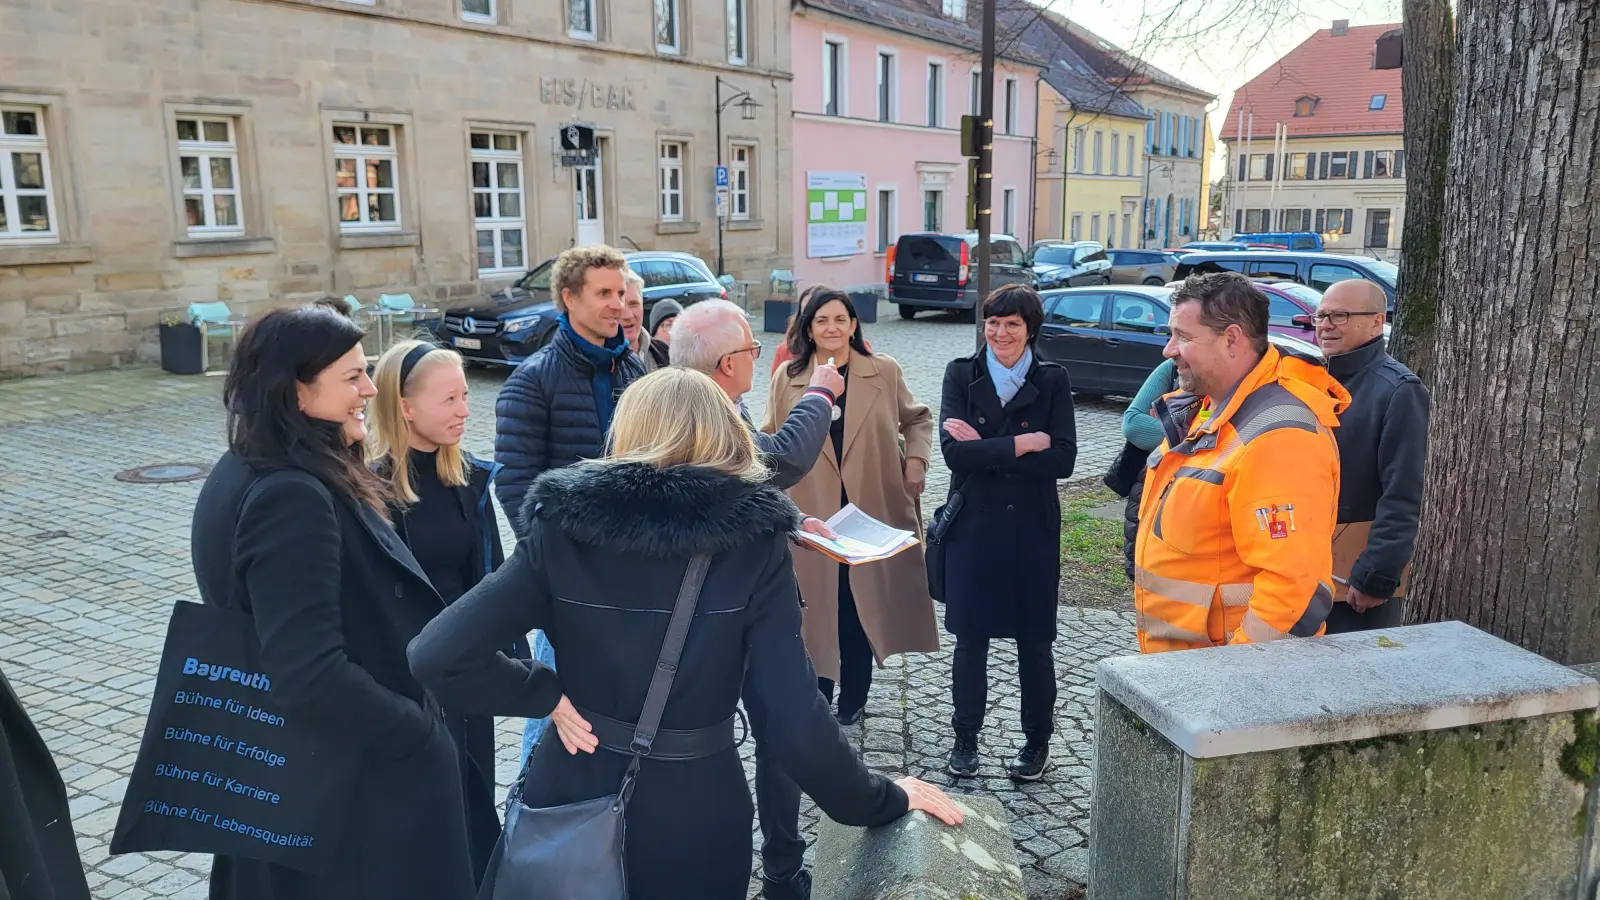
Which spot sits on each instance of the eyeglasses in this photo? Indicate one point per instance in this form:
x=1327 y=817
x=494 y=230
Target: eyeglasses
x=754 y=350
x=1007 y=326
x=1339 y=316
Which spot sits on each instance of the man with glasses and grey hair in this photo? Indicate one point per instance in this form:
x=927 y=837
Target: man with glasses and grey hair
x=713 y=337
x=1383 y=444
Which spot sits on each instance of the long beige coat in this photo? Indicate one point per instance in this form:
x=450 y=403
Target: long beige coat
x=891 y=595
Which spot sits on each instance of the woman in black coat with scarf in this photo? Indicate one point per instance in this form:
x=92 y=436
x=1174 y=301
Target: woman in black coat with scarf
x=439 y=504
x=290 y=527
x=1008 y=433
x=607 y=546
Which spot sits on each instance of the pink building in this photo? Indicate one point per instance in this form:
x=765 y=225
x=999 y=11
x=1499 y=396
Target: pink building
x=879 y=92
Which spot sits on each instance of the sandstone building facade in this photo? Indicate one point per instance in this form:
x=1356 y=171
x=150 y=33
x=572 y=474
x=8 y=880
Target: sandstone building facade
x=157 y=153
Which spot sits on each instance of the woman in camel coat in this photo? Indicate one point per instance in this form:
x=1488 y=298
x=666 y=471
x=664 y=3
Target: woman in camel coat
x=886 y=607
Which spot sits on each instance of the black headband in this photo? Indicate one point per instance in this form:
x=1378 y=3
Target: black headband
x=411 y=360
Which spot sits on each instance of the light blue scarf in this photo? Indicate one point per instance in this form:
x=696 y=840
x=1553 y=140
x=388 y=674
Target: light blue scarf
x=1008 y=381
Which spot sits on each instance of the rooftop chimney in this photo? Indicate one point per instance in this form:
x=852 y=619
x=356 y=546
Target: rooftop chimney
x=1341 y=27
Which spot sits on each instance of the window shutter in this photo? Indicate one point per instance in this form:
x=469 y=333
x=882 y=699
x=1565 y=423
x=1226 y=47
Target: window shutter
x=1399 y=164
x=1354 y=167
x=1244 y=166
x=1305 y=220
x=1238 y=221
x=1366 y=165
x=1349 y=216
x=1270 y=158
x=1324 y=165
x=1322 y=220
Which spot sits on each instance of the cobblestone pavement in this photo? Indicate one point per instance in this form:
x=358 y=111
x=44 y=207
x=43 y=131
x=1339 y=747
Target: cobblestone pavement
x=90 y=567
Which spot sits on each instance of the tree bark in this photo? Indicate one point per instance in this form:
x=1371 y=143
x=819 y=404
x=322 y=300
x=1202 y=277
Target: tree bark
x=1427 y=80
x=1510 y=537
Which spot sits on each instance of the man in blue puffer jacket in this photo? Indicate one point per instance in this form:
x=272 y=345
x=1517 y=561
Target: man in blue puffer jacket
x=555 y=409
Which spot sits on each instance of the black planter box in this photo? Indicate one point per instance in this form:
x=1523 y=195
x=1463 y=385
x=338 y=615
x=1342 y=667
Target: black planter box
x=180 y=349
x=775 y=315
x=866 y=305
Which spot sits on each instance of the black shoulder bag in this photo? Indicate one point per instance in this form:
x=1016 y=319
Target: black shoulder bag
x=575 y=851
x=934 y=549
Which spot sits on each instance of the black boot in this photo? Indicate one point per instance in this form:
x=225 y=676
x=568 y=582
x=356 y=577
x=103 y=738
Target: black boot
x=964 y=755
x=1031 y=763
x=796 y=888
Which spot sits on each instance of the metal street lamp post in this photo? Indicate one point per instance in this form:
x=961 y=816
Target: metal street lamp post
x=747 y=112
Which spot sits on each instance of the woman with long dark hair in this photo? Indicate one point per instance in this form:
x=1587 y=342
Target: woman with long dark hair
x=290 y=528
x=876 y=458
x=1009 y=434
x=439 y=504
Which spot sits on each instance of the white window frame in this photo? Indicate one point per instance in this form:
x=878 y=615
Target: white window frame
x=887 y=92
x=937 y=195
x=738 y=12
x=9 y=192
x=1078 y=134
x=1094 y=227
x=363 y=154
x=1008 y=211
x=1252 y=172
x=497 y=223
x=741 y=180
x=1012 y=117
x=1111 y=231
x=204 y=151
x=954 y=9
x=888 y=226
x=492 y=18
x=1116 y=152
x=1099 y=156
x=840 y=80
x=936 y=100
x=1386 y=157
x=669 y=179
x=1128 y=155
x=675 y=13
x=1077 y=227
x=593 y=31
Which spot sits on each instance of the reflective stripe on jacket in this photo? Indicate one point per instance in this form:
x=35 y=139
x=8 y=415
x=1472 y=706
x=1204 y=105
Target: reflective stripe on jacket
x=1236 y=523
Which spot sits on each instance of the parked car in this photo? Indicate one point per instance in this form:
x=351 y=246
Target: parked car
x=1110 y=338
x=1315 y=270
x=1059 y=264
x=1293 y=305
x=1214 y=246
x=505 y=327
x=934 y=271
x=1288 y=240
x=1152 y=267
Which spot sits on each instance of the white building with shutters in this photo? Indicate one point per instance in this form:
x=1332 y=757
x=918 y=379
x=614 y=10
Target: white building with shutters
x=1315 y=143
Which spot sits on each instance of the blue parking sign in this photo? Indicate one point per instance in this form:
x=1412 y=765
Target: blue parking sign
x=722 y=176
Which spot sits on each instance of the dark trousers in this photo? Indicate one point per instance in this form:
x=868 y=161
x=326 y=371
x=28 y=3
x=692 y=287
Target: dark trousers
x=969 y=687
x=855 y=653
x=1344 y=619
x=783 y=850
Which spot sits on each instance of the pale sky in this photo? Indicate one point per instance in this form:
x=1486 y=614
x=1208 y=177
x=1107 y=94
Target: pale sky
x=1217 y=45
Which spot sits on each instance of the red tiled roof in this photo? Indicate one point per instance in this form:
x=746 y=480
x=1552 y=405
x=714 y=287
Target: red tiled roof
x=1335 y=70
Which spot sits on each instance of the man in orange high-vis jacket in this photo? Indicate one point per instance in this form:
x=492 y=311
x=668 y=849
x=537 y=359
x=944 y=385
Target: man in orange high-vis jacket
x=1235 y=540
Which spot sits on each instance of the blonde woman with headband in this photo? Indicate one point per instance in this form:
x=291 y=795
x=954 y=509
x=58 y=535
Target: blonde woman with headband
x=608 y=544
x=440 y=508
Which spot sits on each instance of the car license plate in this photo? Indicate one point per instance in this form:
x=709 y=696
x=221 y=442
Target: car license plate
x=469 y=343
x=924 y=278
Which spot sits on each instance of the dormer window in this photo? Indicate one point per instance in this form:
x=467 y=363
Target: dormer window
x=1305 y=106
x=954 y=9
x=1377 y=101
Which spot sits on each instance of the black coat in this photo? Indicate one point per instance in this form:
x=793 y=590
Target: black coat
x=474 y=735
x=38 y=851
x=1003 y=552
x=688 y=833
x=336 y=597
x=1383 y=449
x=545 y=416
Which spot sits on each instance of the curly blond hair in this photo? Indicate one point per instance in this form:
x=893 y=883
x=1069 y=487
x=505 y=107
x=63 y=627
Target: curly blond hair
x=573 y=265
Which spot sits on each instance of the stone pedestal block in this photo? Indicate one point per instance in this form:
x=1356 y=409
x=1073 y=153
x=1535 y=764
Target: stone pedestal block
x=1433 y=762
x=919 y=858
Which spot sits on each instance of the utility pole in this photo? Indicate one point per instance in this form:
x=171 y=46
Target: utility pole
x=985 y=161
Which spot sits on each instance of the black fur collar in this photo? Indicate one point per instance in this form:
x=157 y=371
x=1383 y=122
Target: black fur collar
x=674 y=512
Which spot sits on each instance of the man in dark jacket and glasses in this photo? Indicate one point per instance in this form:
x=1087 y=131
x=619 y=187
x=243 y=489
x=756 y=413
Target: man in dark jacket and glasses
x=1383 y=444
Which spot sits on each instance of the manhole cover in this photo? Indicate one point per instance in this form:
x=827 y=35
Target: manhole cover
x=164 y=473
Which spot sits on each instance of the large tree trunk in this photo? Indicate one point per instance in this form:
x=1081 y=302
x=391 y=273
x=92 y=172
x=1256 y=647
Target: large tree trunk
x=1427 y=80
x=1511 y=516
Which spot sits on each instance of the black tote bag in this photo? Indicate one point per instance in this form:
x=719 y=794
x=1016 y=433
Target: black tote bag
x=221 y=768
